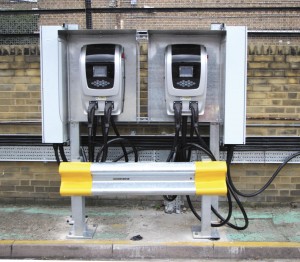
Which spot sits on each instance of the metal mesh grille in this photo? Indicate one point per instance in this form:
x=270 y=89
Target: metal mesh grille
x=46 y=154
x=19 y=40
x=18 y=29
x=19 y=24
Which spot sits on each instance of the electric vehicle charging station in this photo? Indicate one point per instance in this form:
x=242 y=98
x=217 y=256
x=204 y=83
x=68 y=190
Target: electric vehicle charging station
x=185 y=76
x=219 y=57
x=201 y=72
x=102 y=75
x=83 y=66
x=223 y=78
x=98 y=63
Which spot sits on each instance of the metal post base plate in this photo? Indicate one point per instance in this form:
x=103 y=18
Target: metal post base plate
x=212 y=234
x=87 y=234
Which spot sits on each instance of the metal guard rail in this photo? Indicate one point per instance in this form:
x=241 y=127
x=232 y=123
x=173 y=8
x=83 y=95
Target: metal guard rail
x=143 y=178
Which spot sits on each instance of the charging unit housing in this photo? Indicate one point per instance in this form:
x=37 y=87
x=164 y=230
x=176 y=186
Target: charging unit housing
x=68 y=75
x=102 y=76
x=224 y=102
x=185 y=76
x=65 y=92
x=107 y=49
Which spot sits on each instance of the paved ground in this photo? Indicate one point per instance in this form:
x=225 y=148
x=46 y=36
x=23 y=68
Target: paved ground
x=40 y=232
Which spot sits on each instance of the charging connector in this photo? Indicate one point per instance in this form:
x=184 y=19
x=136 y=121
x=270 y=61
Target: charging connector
x=194 y=111
x=177 y=106
x=92 y=128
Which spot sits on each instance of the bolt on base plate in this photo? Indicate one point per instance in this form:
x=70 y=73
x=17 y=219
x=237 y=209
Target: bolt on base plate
x=211 y=234
x=86 y=234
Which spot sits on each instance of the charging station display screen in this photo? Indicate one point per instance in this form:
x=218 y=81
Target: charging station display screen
x=186 y=66
x=100 y=66
x=185 y=71
x=99 y=71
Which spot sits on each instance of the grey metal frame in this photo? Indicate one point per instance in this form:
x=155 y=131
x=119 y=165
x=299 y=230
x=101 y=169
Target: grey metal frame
x=158 y=41
x=75 y=41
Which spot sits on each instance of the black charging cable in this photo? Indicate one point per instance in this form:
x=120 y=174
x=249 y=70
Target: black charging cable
x=59 y=150
x=234 y=191
x=62 y=153
x=190 y=146
x=92 y=122
x=253 y=194
x=181 y=155
x=105 y=121
x=202 y=146
x=119 y=140
x=224 y=221
x=55 y=148
x=236 y=198
x=195 y=126
x=113 y=124
x=177 y=106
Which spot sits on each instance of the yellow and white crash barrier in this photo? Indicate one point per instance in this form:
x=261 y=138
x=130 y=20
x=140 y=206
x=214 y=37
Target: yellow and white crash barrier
x=143 y=178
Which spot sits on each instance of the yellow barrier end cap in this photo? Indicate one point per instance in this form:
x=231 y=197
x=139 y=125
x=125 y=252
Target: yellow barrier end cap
x=76 y=179
x=210 y=178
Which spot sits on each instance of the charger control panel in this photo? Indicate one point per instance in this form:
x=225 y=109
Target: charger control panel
x=185 y=76
x=102 y=76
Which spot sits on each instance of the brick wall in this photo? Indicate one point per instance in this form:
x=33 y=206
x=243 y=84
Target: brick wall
x=273 y=19
x=22 y=182
x=203 y=3
x=273 y=89
x=25 y=181
x=6 y=4
x=284 y=189
x=20 y=99
x=272 y=98
x=189 y=20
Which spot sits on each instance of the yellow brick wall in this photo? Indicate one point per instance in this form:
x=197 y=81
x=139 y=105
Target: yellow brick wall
x=272 y=96
x=28 y=181
x=20 y=97
x=39 y=183
x=284 y=189
x=273 y=19
x=272 y=93
x=273 y=90
x=188 y=20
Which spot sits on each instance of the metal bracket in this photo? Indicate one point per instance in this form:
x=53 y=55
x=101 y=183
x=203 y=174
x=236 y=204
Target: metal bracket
x=70 y=26
x=142 y=35
x=86 y=233
x=217 y=26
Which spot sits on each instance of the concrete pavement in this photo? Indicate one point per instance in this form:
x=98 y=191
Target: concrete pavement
x=40 y=232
